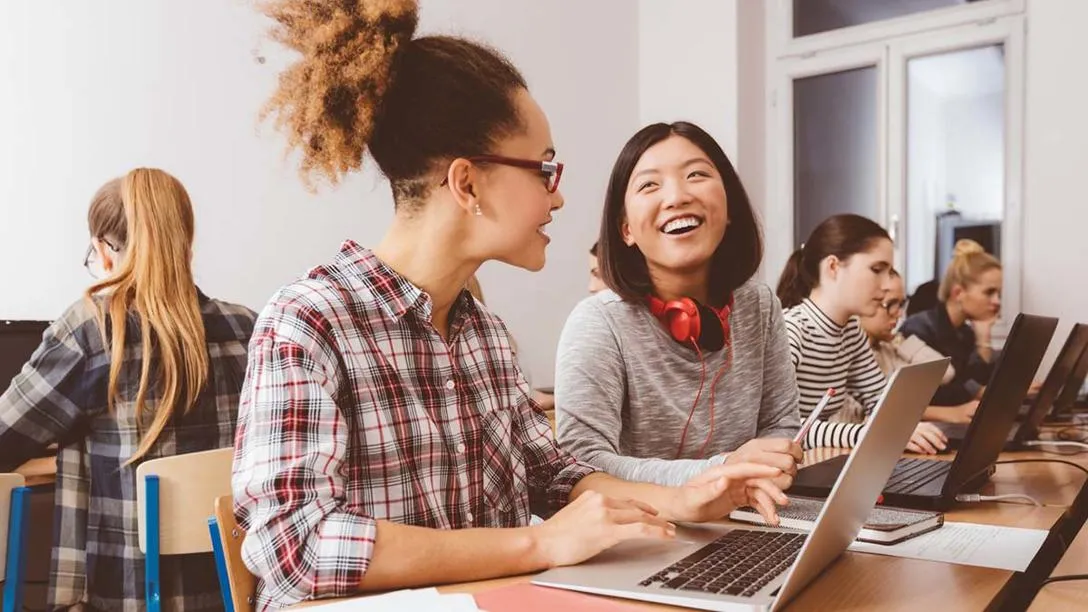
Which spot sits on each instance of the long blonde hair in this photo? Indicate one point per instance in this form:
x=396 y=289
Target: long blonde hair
x=149 y=215
x=969 y=262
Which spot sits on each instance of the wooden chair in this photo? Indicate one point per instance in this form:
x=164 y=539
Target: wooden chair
x=174 y=495
x=14 y=530
x=234 y=577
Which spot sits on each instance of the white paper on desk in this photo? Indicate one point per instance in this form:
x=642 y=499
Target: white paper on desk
x=1007 y=548
x=423 y=600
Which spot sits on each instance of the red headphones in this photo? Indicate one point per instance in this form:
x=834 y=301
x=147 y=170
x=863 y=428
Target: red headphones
x=689 y=322
x=704 y=329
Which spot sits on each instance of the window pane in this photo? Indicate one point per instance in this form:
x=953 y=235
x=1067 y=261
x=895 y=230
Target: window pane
x=815 y=16
x=835 y=153
x=955 y=156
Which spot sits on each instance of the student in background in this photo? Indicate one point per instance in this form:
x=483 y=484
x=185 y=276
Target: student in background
x=894 y=350
x=631 y=398
x=841 y=272
x=386 y=436
x=144 y=366
x=959 y=325
x=595 y=282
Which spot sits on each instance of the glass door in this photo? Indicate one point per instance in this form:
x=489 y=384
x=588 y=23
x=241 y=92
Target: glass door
x=955 y=107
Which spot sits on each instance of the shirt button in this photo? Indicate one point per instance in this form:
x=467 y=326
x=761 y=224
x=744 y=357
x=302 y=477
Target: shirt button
x=468 y=517
x=461 y=448
x=449 y=384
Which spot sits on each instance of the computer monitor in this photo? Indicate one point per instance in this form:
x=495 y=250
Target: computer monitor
x=952 y=228
x=18 y=339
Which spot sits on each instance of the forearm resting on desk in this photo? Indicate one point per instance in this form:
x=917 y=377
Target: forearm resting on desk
x=406 y=556
x=409 y=556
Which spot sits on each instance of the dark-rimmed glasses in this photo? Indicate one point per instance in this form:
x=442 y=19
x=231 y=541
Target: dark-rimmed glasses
x=91 y=252
x=551 y=171
x=893 y=307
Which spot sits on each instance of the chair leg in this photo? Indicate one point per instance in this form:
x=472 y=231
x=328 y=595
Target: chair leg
x=18 y=532
x=220 y=564
x=151 y=561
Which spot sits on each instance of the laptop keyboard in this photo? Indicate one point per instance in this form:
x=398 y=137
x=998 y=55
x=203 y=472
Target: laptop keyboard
x=910 y=475
x=740 y=562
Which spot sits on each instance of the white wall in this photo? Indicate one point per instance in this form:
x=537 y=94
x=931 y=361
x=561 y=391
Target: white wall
x=90 y=90
x=1055 y=159
x=687 y=65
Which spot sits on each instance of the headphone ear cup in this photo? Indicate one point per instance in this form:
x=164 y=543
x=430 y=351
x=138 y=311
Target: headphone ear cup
x=683 y=320
x=680 y=324
x=712 y=336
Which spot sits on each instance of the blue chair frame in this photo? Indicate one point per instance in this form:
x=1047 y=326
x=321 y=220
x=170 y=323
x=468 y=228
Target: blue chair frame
x=18 y=533
x=220 y=564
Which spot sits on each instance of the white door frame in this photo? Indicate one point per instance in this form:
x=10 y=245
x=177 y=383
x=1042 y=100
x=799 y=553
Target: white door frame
x=783 y=43
x=994 y=21
x=780 y=204
x=1008 y=31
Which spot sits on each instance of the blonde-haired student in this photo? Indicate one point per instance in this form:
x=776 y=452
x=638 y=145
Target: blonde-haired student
x=144 y=366
x=959 y=326
x=893 y=350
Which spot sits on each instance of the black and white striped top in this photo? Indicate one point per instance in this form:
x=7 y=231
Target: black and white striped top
x=825 y=355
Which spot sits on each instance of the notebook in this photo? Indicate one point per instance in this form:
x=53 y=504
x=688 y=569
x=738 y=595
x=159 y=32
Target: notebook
x=884 y=525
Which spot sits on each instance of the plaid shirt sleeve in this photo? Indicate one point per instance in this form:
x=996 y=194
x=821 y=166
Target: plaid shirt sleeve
x=552 y=472
x=289 y=490
x=45 y=400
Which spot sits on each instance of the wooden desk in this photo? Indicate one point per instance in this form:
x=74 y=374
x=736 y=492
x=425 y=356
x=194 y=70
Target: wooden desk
x=40 y=471
x=1071 y=595
x=860 y=581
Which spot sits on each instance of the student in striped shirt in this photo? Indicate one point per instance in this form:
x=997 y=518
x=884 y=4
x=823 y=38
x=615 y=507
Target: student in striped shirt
x=841 y=272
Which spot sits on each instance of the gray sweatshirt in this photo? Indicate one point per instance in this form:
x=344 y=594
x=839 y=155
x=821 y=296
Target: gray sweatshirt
x=624 y=388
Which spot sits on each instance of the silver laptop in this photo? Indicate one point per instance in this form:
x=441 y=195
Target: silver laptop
x=720 y=567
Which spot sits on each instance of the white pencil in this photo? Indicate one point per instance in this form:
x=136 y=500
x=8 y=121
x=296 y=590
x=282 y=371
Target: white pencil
x=815 y=414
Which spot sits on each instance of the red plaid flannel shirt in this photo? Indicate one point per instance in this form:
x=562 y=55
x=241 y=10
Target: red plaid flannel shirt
x=354 y=409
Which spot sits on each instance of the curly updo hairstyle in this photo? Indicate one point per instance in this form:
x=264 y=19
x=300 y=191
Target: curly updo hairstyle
x=364 y=82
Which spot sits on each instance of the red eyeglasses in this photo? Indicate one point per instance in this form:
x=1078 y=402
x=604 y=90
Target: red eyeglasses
x=550 y=171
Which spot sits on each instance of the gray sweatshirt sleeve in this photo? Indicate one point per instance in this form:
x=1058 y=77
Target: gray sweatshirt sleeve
x=590 y=394
x=779 y=415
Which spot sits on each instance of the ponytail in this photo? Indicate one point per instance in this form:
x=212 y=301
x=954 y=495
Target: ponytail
x=969 y=262
x=842 y=236
x=153 y=287
x=796 y=282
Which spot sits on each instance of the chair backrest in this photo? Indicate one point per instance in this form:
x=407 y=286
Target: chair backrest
x=188 y=486
x=243 y=584
x=8 y=483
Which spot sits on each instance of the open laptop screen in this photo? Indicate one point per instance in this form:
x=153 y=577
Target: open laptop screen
x=18 y=339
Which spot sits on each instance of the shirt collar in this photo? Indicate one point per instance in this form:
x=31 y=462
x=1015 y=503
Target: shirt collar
x=824 y=322
x=394 y=293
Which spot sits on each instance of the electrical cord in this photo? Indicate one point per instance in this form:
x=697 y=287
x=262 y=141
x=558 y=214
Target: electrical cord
x=1065 y=578
x=1069 y=463
x=970 y=497
x=975 y=497
x=1080 y=447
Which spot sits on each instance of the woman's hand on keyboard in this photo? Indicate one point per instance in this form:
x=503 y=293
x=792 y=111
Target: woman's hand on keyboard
x=721 y=489
x=927 y=439
x=595 y=522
